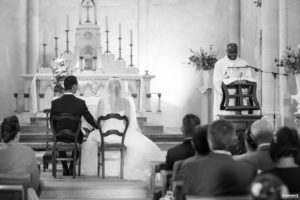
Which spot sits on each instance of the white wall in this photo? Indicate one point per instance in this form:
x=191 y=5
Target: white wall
x=12 y=51
x=173 y=27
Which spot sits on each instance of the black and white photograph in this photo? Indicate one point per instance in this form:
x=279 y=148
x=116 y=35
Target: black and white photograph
x=149 y=99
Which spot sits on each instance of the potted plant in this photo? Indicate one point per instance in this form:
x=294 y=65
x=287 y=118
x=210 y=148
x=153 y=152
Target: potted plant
x=291 y=63
x=205 y=61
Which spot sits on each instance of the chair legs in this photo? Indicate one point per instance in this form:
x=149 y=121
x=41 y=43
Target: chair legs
x=122 y=164
x=54 y=163
x=79 y=164
x=103 y=163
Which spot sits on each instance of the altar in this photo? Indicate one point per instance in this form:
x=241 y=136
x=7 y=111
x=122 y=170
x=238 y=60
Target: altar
x=92 y=86
x=92 y=67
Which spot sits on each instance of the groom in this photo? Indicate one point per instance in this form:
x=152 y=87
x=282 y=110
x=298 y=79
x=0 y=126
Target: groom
x=68 y=103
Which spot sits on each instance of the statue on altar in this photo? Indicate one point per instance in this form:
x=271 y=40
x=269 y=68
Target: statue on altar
x=227 y=70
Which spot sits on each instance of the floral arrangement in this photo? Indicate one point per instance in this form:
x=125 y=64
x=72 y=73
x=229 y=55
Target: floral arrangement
x=202 y=59
x=62 y=67
x=291 y=60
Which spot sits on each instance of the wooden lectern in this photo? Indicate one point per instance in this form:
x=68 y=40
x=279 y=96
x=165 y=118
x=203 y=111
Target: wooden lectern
x=240 y=96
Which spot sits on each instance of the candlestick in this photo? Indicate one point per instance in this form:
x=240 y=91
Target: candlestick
x=67 y=41
x=44 y=55
x=106 y=22
x=130 y=36
x=120 y=49
x=67 y=22
x=107 y=42
x=131 y=56
x=56 y=49
x=120 y=30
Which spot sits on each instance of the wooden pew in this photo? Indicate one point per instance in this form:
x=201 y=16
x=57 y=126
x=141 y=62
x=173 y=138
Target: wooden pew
x=14 y=186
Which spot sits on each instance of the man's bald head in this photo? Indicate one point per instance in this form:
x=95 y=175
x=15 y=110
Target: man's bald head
x=261 y=132
x=232 y=51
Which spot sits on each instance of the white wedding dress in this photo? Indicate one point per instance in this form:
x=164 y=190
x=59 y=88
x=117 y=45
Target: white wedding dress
x=140 y=150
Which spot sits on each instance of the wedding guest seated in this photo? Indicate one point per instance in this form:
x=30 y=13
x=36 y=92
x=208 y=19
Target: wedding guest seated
x=284 y=150
x=15 y=157
x=217 y=173
x=257 y=139
x=185 y=149
x=201 y=149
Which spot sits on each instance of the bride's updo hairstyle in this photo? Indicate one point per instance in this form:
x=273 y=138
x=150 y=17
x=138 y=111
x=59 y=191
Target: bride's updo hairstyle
x=9 y=128
x=115 y=86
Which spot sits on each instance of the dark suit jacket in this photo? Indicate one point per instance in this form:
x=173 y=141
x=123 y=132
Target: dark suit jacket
x=179 y=152
x=260 y=158
x=68 y=103
x=214 y=175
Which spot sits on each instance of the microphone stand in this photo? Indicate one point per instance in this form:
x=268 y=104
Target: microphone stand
x=275 y=74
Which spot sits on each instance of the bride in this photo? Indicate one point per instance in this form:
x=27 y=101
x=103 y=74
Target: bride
x=140 y=150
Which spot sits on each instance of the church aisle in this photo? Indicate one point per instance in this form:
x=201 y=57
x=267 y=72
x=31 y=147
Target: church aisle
x=83 y=188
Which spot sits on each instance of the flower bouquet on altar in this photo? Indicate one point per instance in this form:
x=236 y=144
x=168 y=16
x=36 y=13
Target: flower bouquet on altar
x=62 y=67
x=205 y=61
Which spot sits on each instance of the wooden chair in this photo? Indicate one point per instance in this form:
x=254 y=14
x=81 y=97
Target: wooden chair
x=103 y=146
x=47 y=157
x=158 y=167
x=74 y=147
x=14 y=186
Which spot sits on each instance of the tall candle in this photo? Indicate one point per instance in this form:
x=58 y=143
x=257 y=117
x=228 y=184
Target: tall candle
x=131 y=36
x=120 y=30
x=55 y=30
x=44 y=36
x=67 y=23
x=106 y=22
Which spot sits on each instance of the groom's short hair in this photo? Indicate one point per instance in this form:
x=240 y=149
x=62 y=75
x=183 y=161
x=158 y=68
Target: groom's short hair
x=70 y=81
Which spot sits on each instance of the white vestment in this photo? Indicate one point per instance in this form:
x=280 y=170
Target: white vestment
x=228 y=71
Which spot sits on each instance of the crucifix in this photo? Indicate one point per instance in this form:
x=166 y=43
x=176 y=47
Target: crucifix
x=87 y=6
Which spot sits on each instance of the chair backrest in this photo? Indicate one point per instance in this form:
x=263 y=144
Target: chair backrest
x=112 y=132
x=62 y=132
x=14 y=186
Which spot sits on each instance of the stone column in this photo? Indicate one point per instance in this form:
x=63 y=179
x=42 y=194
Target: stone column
x=234 y=22
x=270 y=47
x=99 y=52
x=143 y=35
x=282 y=47
x=33 y=36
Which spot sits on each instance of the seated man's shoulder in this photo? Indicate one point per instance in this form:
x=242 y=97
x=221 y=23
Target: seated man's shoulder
x=23 y=148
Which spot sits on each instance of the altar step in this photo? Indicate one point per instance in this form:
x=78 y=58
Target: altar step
x=145 y=128
x=41 y=120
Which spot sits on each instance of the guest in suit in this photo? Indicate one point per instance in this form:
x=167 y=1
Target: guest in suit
x=258 y=138
x=284 y=151
x=68 y=103
x=201 y=149
x=217 y=173
x=185 y=149
x=17 y=158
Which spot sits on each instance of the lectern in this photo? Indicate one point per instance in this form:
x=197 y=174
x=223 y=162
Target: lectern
x=240 y=96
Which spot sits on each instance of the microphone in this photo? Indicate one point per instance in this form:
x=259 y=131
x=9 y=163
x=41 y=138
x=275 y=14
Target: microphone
x=254 y=68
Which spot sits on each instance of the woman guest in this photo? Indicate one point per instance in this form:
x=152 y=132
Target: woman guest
x=17 y=158
x=284 y=150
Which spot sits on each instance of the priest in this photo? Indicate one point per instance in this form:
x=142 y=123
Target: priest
x=227 y=70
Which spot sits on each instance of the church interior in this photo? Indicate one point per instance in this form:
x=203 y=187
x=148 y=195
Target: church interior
x=148 y=45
